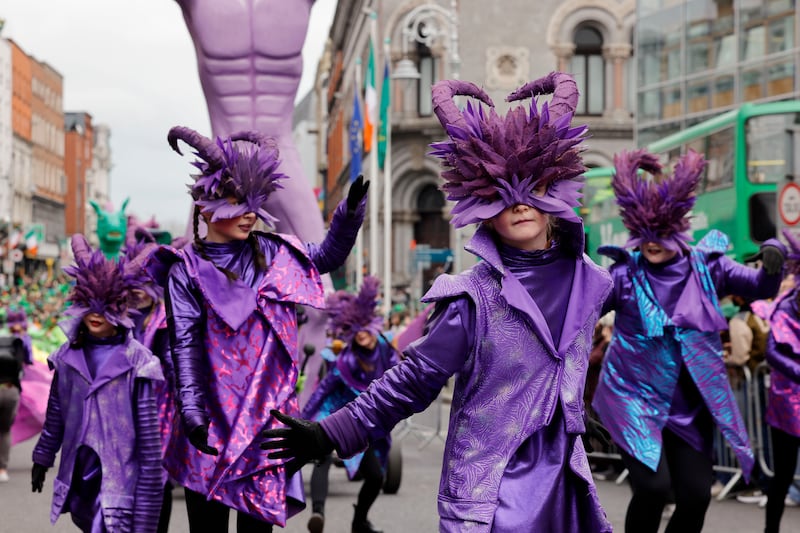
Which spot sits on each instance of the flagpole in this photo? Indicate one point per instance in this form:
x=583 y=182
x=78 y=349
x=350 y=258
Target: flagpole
x=373 y=163
x=387 y=188
x=360 y=236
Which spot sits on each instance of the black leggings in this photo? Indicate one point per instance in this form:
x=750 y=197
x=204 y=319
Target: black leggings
x=371 y=471
x=205 y=515
x=784 y=454
x=683 y=473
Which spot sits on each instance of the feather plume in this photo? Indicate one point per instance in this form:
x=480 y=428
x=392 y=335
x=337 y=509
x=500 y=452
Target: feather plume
x=492 y=162
x=656 y=209
x=349 y=313
x=102 y=285
x=239 y=177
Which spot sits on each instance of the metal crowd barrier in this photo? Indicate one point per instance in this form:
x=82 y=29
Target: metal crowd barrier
x=751 y=390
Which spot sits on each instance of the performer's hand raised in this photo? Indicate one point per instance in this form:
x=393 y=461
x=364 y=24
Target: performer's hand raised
x=358 y=190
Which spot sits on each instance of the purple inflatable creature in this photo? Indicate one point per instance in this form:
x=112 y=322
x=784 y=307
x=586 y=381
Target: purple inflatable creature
x=249 y=57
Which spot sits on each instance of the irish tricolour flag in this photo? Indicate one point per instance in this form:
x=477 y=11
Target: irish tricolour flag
x=370 y=100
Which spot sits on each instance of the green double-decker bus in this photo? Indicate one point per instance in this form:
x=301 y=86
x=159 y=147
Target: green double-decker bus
x=749 y=150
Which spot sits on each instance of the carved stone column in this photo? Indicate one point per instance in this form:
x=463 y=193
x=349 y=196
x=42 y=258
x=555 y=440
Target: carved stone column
x=564 y=53
x=618 y=54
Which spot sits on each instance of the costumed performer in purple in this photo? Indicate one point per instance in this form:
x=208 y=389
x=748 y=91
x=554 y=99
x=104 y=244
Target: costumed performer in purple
x=250 y=62
x=150 y=328
x=365 y=357
x=783 y=401
x=663 y=384
x=12 y=363
x=230 y=303
x=515 y=329
x=109 y=475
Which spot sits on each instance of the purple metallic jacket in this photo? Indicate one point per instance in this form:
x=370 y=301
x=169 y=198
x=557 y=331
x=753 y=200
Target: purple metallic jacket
x=656 y=340
x=512 y=381
x=234 y=347
x=783 y=356
x=129 y=449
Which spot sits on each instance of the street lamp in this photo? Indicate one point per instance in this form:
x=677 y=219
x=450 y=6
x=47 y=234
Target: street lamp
x=425 y=24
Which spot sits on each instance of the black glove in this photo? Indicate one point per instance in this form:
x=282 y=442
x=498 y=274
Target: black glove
x=301 y=442
x=357 y=192
x=199 y=439
x=37 y=477
x=771 y=259
x=595 y=430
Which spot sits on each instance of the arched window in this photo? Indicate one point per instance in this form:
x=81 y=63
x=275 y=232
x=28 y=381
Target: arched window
x=427 y=65
x=431 y=228
x=588 y=67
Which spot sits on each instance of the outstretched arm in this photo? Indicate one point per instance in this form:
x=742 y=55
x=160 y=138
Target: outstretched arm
x=405 y=389
x=731 y=277
x=341 y=236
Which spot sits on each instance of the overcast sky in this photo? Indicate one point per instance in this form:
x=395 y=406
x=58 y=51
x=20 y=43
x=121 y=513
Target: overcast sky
x=131 y=65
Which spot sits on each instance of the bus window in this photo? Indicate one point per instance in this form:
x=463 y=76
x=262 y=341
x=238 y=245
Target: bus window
x=762 y=216
x=719 y=154
x=766 y=145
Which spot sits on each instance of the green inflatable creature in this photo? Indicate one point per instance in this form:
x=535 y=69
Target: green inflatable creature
x=111 y=229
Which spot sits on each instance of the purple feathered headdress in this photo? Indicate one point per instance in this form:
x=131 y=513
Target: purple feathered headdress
x=17 y=317
x=102 y=285
x=655 y=209
x=242 y=168
x=349 y=313
x=529 y=157
x=793 y=259
x=140 y=244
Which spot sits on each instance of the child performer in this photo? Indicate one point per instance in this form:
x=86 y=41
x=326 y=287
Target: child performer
x=150 y=328
x=663 y=385
x=783 y=404
x=230 y=303
x=515 y=328
x=366 y=356
x=109 y=476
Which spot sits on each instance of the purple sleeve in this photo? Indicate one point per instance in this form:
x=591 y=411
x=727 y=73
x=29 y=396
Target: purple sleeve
x=150 y=484
x=410 y=386
x=781 y=358
x=52 y=436
x=339 y=240
x=186 y=325
x=619 y=279
x=750 y=283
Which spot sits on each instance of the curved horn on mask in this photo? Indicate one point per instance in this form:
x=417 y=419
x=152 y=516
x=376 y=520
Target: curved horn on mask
x=255 y=137
x=562 y=86
x=81 y=249
x=206 y=149
x=445 y=108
